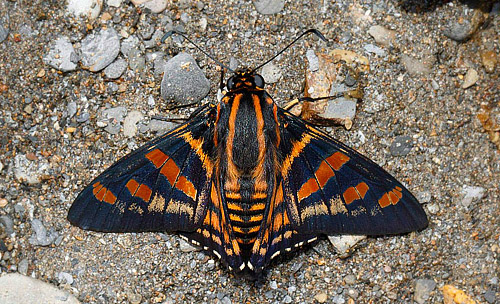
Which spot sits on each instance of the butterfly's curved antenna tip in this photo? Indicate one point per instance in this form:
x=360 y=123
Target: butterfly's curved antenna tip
x=168 y=34
x=317 y=33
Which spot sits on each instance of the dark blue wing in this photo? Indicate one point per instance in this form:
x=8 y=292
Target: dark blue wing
x=332 y=189
x=162 y=186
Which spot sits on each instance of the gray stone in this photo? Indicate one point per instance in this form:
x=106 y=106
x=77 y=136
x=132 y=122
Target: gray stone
x=85 y=116
x=156 y=6
x=4 y=29
x=64 y=278
x=341 y=108
x=87 y=8
x=160 y=126
x=136 y=61
x=401 y=146
x=132 y=42
x=71 y=109
x=62 y=55
x=41 y=237
x=30 y=172
x=350 y=279
x=269 y=7
x=490 y=296
x=414 y=66
x=471 y=77
x=114 y=3
x=17 y=288
x=7 y=224
x=187 y=247
x=382 y=35
x=99 y=50
x=22 y=267
x=471 y=193
x=233 y=63
x=183 y=81
x=130 y=123
x=313 y=61
x=115 y=70
x=370 y=48
x=344 y=243
x=271 y=73
x=423 y=288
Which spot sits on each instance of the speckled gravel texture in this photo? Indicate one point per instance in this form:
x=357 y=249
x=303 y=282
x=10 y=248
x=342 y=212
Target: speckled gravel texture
x=62 y=153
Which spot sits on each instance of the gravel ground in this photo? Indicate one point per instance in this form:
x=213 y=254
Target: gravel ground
x=60 y=127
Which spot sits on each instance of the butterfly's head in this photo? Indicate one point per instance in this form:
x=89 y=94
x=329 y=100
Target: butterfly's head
x=245 y=78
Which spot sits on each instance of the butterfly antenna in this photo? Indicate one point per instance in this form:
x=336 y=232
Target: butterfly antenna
x=170 y=33
x=314 y=31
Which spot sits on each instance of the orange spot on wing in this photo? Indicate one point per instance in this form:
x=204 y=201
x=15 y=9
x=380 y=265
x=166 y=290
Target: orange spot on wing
x=308 y=188
x=324 y=173
x=397 y=192
x=362 y=188
x=143 y=192
x=384 y=201
x=101 y=193
x=170 y=171
x=337 y=160
x=186 y=186
x=394 y=198
x=97 y=187
x=109 y=198
x=157 y=157
x=132 y=186
x=350 y=195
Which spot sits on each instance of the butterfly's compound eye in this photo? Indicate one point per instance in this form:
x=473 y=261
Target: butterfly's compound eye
x=230 y=83
x=259 y=81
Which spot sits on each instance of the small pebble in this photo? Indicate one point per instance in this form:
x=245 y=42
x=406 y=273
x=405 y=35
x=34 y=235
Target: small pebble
x=86 y=8
x=370 y=48
x=22 y=267
x=4 y=29
x=271 y=73
x=401 y=146
x=321 y=297
x=62 y=55
x=470 y=79
x=269 y=7
x=187 y=247
x=64 y=278
x=414 y=66
x=387 y=269
x=489 y=59
x=470 y=194
x=130 y=123
x=100 y=49
x=7 y=224
x=183 y=81
x=350 y=279
x=131 y=42
x=116 y=69
x=156 y=6
x=382 y=35
x=3 y=202
x=423 y=288
x=114 y=3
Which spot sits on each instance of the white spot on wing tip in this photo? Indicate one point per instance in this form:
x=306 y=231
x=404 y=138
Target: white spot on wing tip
x=217 y=254
x=288 y=249
x=184 y=238
x=312 y=240
x=242 y=266
x=205 y=248
x=195 y=242
x=250 y=266
x=275 y=254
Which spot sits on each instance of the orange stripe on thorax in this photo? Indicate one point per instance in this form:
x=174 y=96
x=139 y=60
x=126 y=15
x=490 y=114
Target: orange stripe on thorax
x=232 y=171
x=258 y=173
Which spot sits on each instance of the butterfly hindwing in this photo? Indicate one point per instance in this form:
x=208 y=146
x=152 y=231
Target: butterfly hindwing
x=333 y=189
x=155 y=188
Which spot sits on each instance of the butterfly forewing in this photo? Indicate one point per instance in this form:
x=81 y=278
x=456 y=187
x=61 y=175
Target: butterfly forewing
x=155 y=188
